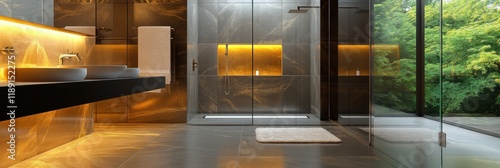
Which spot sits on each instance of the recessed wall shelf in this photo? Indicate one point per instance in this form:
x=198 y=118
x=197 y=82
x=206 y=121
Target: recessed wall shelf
x=267 y=59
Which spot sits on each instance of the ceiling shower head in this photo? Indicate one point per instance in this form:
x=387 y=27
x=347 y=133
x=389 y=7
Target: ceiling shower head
x=298 y=10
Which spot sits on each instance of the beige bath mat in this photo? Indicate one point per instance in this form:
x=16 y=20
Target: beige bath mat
x=295 y=135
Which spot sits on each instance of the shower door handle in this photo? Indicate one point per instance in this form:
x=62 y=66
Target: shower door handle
x=195 y=64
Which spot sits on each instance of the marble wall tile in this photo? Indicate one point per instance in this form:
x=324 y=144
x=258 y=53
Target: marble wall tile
x=168 y=106
x=290 y=63
x=67 y=13
x=6 y=8
x=38 y=133
x=207 y=92
x=289 y=24
x=239 y=99
x=26 y=144
x=38 y=47
x=32 y=11
x=303 y=27
x=304 y=59
x=112 y=110
x=208 y=20
x=268 y=94
x=267 y=23
x=207 y=57
x=234 y=23
x=315 y=59
x=62 y=126
x=290 y=95
x=304 y=92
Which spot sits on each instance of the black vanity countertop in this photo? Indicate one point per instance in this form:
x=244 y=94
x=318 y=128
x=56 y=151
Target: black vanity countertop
x=38 y=97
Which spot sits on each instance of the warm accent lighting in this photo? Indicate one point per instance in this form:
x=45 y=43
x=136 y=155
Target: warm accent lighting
x=37 y=44
x=40 y=28
x=354 y=58
x=267 y=59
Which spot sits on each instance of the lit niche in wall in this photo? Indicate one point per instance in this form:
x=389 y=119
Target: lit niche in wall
x=267 y=59
x=354 y=60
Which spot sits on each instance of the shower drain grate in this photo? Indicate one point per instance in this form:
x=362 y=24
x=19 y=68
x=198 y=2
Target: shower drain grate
x=259 y=117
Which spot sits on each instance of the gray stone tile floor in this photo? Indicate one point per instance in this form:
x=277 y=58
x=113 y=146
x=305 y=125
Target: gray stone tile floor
x=190 y=146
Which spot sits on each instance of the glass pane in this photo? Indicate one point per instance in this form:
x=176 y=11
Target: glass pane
x=398 y=132
x=219 y=41
x=471 y=83
x=285 y=50
x=353 y=66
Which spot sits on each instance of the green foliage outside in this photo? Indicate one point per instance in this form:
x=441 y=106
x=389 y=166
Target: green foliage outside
x=471 y=56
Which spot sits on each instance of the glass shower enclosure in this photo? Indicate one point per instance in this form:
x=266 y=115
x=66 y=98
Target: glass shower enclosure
x=253 y=62
x=437 y=104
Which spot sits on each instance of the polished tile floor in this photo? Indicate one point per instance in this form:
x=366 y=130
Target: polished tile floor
x=186 y=146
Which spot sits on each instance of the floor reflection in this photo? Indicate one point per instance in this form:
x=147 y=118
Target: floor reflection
x=181 y=145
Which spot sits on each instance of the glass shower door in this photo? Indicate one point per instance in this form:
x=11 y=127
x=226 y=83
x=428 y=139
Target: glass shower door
x=471 y=83
x=286 y=62
x=253 y=62
x=399 y=130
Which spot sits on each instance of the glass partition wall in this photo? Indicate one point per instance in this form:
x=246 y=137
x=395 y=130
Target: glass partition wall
x=253 y=62
x=456 y=123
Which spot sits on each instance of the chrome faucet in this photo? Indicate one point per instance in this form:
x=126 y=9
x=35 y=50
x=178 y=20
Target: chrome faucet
x=68 y=55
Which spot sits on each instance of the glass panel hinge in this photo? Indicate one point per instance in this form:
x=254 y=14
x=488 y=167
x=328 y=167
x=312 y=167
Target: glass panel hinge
x=442 y=139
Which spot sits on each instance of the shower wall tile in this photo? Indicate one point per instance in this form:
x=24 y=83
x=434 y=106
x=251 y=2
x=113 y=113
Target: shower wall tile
x=207 y=56
x=208 y=90
x=239 y=99
x=268 y=27
x=315 y=25
x=290 y=64
x=304 y=94
x=207 y=18
x=234 y=23
x=268 y=94
x=192 y=97
x=289 y=23
x=290 y=95
x=303 y=59
x=315 y=58
x=304 y=28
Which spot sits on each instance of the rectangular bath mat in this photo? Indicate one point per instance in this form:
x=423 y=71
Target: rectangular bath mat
x=295 y=135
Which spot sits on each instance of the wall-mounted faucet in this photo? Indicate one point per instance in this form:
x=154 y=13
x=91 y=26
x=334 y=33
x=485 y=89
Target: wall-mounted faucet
x=68 y=55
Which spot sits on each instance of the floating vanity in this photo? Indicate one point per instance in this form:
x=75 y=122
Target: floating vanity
x=38 y=97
